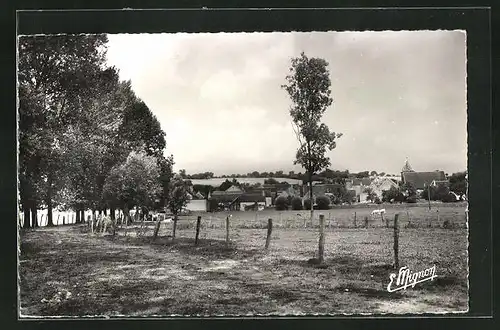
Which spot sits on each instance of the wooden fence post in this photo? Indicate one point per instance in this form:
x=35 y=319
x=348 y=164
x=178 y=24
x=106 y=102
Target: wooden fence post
x=157 y=229
x=409 y=219
x=355 y=225
x=437 y=211
x=269 y=232
x=321 y=247
x=227 y=229
x=396 y=241
x=366 y=222
x=198 y=223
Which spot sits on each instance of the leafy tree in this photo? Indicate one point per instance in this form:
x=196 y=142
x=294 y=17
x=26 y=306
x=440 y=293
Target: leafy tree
x=373 y=173
x=409 y=192
x=370 y=194
x=364 y=174
x=178 y=199
x=323 y=202
x=133 y=183
x=382 y=174
x=271 y=181
x=296 y=203
x=182 y=173
x=458 y=183
x=392 y=195
x=57 y=78
x=308 y=86
x=342 y=195
x=281 y=203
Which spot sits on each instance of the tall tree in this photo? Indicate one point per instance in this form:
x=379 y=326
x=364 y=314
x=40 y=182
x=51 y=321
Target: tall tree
x=178 y=199
x=133 y=183
x=308 y=86
x=55 y=74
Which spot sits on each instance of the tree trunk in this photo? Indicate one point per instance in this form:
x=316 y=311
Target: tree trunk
x=34 y=215
x=77 y=217
x=27 y=214
x=112 y=213
x=174 y=227
x=126 y=215
x=311 y=196
x=50 y=223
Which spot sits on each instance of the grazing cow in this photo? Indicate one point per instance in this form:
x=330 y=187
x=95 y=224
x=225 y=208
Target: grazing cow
x=380 y=212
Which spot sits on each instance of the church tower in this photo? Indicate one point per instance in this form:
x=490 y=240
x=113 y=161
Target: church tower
x=407 y=166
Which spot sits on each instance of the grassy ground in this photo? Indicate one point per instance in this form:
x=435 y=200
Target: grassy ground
x=68 y=271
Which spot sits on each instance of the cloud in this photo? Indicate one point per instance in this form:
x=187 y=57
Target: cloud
x=220 y=101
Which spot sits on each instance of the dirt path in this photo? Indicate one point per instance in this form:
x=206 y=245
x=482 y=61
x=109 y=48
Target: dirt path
x=65 y=271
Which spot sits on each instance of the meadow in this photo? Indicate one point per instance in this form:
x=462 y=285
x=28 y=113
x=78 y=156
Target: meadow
x=90 y=274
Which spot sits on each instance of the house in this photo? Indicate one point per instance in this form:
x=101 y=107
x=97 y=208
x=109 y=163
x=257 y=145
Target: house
x=196 y=202
x=381 y=184
x=359 y=186
x=251 y=201
x=236 y=199
x=420 y=180
x=321 y=190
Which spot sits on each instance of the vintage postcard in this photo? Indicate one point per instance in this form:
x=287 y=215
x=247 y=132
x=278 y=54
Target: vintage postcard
x=243 y=174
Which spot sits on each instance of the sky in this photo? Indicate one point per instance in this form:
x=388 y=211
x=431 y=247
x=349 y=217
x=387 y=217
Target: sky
x=218 y=97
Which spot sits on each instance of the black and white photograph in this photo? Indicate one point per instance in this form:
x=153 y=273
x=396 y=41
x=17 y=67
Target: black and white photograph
x=242 y=174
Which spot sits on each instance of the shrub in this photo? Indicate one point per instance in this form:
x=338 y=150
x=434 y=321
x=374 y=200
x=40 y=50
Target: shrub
x=377 y=200
x=281 y=203
x=296 y=203
x=323 y=202
x=448 y=198
x=307 y=204
x=411 y=199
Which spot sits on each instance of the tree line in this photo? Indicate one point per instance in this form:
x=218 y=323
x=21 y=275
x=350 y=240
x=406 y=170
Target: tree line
x=86 y=141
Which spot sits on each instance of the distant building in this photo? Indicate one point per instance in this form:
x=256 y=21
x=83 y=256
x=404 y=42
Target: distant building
x=359 y=186
x=321 y=190
x=420 y=180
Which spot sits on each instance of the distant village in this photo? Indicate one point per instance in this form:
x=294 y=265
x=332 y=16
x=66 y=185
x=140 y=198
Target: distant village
x=243 y=194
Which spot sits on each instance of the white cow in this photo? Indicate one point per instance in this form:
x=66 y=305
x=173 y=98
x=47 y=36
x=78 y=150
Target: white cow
x=379 y=212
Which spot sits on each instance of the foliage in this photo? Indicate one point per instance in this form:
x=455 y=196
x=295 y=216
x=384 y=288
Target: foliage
x=370 y=194
x=178 y=197
x=281 y=203
x=308 y=86
x=360 y=175
x=134 y=182
x=458 y=183
x=271 y=181
x=409 y=192
x=323 y=202
x=307 y=204
x=394 y=194
x=448 y=198
x=296 y=203
x=204 y=175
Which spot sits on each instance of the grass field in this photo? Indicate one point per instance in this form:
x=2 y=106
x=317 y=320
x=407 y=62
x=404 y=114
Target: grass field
x=65 y=270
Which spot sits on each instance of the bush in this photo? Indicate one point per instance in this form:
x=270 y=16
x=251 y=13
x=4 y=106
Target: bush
x=281 y=203
x=449 y=198
x=323 y=202
x=411 y=199
x=377 y=200
x=307 y=204
x=296 y=203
